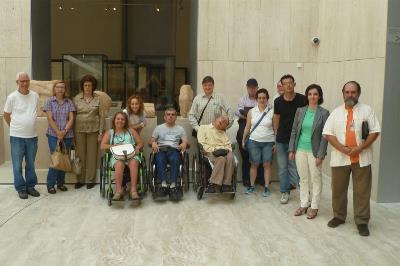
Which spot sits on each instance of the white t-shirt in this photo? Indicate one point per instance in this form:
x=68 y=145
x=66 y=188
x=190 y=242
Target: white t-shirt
x=23 y=109
x=264 y=131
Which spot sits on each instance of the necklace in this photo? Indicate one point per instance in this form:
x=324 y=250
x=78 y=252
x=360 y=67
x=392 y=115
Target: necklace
x=120 y=138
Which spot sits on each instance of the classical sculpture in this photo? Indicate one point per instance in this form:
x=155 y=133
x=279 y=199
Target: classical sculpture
x=185 y=99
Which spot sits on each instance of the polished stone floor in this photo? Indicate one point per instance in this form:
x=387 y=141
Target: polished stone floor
x=78 y=228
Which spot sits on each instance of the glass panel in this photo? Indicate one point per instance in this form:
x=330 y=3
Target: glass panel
x=76 y=66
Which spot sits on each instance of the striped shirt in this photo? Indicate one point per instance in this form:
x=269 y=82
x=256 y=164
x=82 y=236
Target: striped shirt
x=59 y=113
x=245 y=101
x=215 y=108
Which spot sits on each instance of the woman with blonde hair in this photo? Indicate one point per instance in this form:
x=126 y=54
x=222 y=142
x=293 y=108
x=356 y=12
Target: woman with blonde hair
x=59 y=110
x=135 y=111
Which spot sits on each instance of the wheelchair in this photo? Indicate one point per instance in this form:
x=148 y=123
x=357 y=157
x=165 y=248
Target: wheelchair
x=201 y=171
x=107 y=180
x=182 y=182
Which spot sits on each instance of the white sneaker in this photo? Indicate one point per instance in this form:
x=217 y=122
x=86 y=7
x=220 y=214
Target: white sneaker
x=284 y=198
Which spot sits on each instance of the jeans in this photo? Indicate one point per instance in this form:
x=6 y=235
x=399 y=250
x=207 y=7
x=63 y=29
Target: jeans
x=286 y=168
x=20 y=148
x=172 y=157
x=56 y=176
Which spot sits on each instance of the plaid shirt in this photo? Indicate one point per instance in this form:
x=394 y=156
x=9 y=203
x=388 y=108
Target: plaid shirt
x=59 y=113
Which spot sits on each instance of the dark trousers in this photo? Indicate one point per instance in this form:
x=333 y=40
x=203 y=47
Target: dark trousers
x=362 y=179
x=245 y=158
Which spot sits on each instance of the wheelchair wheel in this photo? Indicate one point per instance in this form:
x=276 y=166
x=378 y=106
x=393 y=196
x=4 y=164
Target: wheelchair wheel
x=103 y=175
x=145 y=175
x=109 y=197
x=200 y=193
x=186 y=172
x=195 y=169
x=142 y=177
x=150 y=174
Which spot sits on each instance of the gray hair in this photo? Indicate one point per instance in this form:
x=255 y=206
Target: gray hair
x=20 y=74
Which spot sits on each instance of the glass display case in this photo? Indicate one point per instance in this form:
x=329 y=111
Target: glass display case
x=75 y=66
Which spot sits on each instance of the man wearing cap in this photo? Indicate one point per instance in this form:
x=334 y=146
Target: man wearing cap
x=245 y=104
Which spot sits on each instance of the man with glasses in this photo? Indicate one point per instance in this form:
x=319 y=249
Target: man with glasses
x=167 y=141
x=285 y=107
x=20 y=113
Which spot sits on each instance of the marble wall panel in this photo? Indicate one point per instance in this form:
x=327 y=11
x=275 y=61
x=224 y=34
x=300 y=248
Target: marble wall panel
x=263 y=72
x=202 y=30
x=229 y=77
x=3 y=90
x=244 y=28
x=12 y=67
x=204 y=68
x=15 y=39
x=218 y=33
x=2 y=140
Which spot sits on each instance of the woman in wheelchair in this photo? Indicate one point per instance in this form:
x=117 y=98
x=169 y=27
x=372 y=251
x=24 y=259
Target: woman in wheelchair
x=122 y=134
x=218 y=148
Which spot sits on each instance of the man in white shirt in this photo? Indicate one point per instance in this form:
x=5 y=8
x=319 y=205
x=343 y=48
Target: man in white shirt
x=20 y=113
x=351 y=154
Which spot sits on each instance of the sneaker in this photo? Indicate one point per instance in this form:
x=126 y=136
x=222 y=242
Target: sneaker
x=22 y=194
x=33 y=192
x=226 y=189
x=266 y=192
x=249 y=190
x=335 y=222
x=363 y=229
x=51 y=190
x=284 y=198
x=162 y=192
x=175 y=194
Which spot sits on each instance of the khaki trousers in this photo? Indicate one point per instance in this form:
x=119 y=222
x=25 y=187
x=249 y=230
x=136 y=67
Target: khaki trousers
x=223 y=169
x=87 y=151
x=362 y=179
x=310 y=179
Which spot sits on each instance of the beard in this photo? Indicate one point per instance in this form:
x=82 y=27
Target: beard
x=350 y=101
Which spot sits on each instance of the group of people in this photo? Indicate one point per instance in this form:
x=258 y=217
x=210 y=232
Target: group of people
x=292 y=127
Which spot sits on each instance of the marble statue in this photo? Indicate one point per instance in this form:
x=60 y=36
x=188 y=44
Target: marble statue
x=185 y=99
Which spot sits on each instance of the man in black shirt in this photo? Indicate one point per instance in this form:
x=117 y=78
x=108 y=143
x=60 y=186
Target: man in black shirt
x=285 y=108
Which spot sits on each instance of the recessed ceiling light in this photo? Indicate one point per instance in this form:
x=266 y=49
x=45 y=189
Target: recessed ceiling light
x=60 y=7
x=72 y=8
x=106 y=9
x=114 y=8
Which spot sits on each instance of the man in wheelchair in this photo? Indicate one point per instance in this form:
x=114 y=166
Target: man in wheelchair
x=167 y=142
x=217 y=147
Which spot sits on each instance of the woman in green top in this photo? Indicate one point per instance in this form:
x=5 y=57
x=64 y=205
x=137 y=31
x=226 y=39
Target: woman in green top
x=122 y=134
x=308 y=147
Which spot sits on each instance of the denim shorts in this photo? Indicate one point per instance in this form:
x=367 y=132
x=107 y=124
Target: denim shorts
x=260 y=152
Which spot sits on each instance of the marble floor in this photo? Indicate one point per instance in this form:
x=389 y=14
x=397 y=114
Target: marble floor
x=78 y=228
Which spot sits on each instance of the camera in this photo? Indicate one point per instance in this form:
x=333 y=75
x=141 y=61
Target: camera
x=315 y=40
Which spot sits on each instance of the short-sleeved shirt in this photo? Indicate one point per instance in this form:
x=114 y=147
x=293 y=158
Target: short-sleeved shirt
x=23 y=109
x=287 y=110
x=169 y=136
x=59 y=113
x=135 y=119
x=304 y=143
x=264 y=131
x=335 y=125
x=88 y=114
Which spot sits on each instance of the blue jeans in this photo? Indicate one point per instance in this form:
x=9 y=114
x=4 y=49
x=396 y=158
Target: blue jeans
x=56 y=176
x=20 y=148
x=172 y=157
x=286 y=168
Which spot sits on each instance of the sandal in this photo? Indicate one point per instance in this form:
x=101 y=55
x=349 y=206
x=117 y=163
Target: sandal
x=117 y=196
x=312 y=213
x=134 y=195
x=300 y=211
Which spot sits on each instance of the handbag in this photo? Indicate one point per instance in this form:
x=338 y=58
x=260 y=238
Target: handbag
x=220 y=152
x=75 y=162
x=123 y=152
x=246 y=140
x=60 y=158
x=194 y=132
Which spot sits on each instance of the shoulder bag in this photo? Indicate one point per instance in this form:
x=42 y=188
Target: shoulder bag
x=60 y=158
x=246 y=140
x=194 y=132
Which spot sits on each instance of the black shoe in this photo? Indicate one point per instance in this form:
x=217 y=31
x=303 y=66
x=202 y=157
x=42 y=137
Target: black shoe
x=246 y=182
x=51 y=190
x=175 y=194
x=335 y=222
x=90 y=185
x=162 y=192
x=78 y=185
x=62 y=187
x=213 y=188
x=227 y=189
x=363 y=229
x=292 y=187
x=22 y=194
x=33 y=192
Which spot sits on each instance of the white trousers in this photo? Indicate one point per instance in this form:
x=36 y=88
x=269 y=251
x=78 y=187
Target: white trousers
x=310 y=179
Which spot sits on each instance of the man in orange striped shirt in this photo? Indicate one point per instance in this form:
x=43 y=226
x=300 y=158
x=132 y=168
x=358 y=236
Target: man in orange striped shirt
x=351 y=154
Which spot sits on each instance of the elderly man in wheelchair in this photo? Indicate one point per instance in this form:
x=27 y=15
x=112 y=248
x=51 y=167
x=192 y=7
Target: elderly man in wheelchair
x=168 y=143
x=217 y=148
